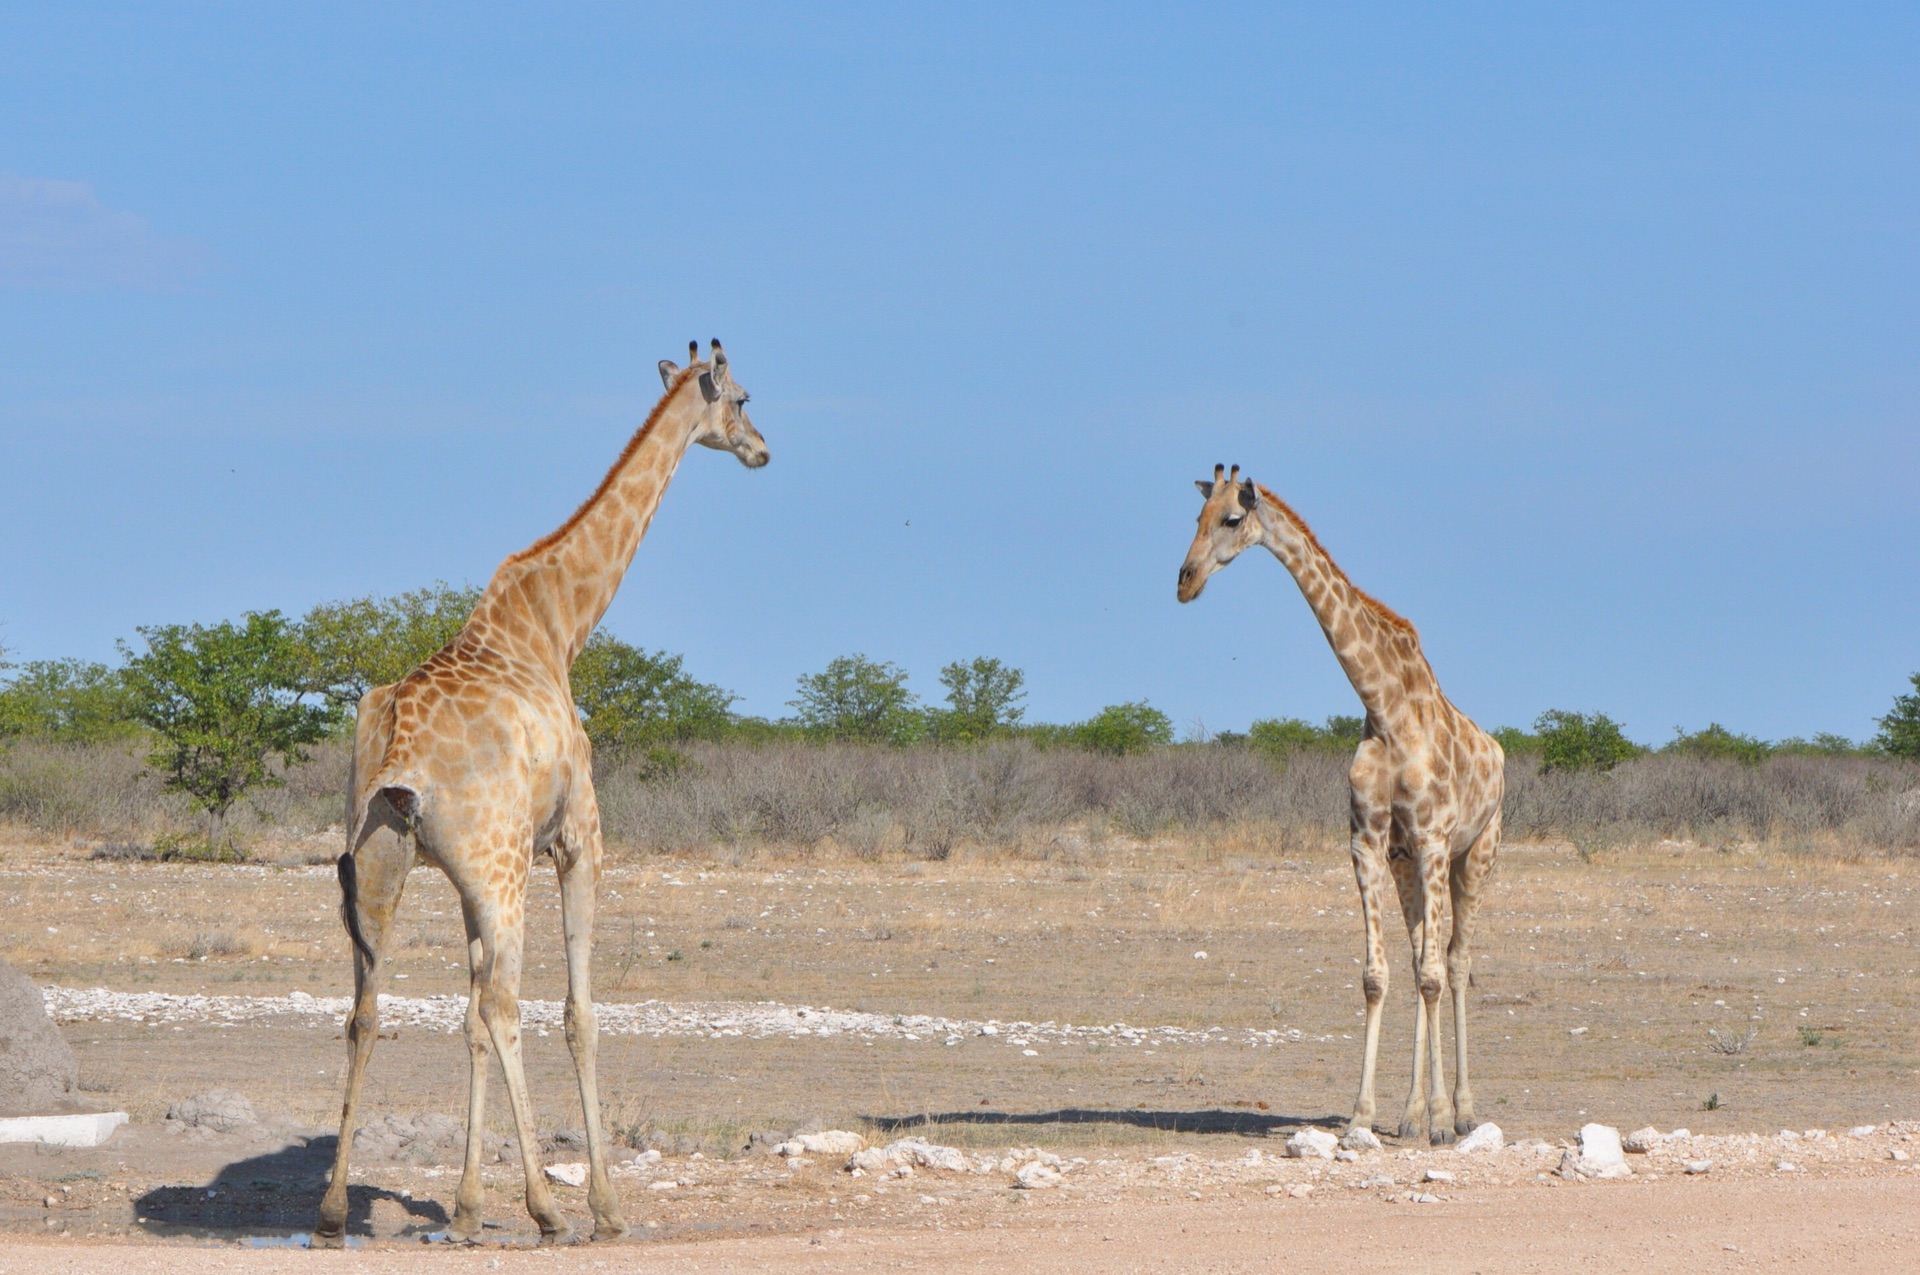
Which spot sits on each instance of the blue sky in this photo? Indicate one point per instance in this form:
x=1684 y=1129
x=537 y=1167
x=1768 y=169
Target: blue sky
x=1585 y=340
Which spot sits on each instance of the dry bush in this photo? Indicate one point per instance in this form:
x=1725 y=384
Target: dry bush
x=872 y=802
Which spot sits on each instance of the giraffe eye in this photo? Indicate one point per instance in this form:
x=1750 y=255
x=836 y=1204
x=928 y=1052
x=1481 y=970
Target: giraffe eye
x=1231 y=522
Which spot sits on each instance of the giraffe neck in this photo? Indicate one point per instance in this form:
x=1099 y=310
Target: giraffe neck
x=1379 y=651
x=559 y=587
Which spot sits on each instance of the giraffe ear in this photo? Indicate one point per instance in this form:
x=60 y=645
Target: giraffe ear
x=708 y=390
x=668 y=370
x=721 y=372
x=1206 y=488
x=1248 y=498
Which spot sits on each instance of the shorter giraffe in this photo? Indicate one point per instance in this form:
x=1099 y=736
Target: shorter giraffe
x=1426 y=786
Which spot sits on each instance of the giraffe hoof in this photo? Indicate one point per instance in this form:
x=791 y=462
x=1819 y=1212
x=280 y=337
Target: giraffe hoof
x=1443 y=1136
x=560 y=1235
x=1466 y=1126
x=329 y=1239
x=609 y=1231
x=1411 y=1130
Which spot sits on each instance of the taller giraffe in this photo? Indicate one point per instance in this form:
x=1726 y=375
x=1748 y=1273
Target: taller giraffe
x=1426 y=786
x=476 y=763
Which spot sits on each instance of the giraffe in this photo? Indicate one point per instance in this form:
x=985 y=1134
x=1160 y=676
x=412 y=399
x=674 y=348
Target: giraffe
x=1426 y=786
x=476 y=763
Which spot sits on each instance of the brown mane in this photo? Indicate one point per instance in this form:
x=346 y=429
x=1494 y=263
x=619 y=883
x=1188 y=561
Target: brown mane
x=553 y=537
x=1379 y=608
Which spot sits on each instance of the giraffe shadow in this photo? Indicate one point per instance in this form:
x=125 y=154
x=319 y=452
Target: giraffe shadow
x=1246 y=1124
x=278 y=1194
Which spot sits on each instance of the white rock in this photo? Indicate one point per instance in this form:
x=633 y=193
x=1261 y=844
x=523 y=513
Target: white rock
x=1677 y=1135
x=1695 y=1167
x=1312 y=1144
x=1423 y=1197
x=1898 y=1154
x=664 y=1184
x=1345 y=1156
x=989 y=1030
x=568 y=1174
x=1438 y=1175
x=1862 y=1131
x=1486 y=1137
x=647 y=1158
x=1300 y=1190
x=834 y=1142
x=872 y=1160
x=1600 y=1153
x=1359 y=1139
x=63 y=1131
x=1787 y=1166
x=1641 y=1141
x=1035 y=1176
x=1276 y=1189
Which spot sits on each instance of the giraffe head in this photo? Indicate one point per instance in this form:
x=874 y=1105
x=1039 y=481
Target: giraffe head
x=723 y=423
x=1228 y=526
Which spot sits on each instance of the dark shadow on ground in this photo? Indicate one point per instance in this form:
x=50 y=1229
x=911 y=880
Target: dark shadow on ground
x=278 y=1194
x=1243 y=1123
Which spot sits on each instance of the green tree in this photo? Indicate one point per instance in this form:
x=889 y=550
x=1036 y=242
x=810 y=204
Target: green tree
x=349 y=647
x=1124 y=728
x=1900 y=729
x=1278 y=736
x=635 y=699
x=983 y=700
x=855 y=698
x=67 y=700
x=225 y=700
x=1581 y=741
x=1515 y=742
x=1719 y=743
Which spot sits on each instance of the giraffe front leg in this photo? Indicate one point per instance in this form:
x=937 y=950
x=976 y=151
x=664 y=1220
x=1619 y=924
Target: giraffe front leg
x=1413 y=1121
x=579 y=879
x=1371 y=873
x=1433 y=982
x=1470 y=874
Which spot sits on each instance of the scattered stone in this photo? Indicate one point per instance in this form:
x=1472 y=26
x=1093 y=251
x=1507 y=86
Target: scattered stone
x=1437 y=1175
x=1600 y=1155
x=906 y=1154
x=1300 y=1190
x=1035 y=1176
x=645 y=1159
x=221 y=1110
x=426 y=1137
x=568 y=1174
x=662 y=1184
x=1422 y=1197
x=1359 y=1139
x=1276 y=1189
x=1641 y=1141
x=1898 y=1154
x=38 y=1074
x=1862 y=1131
x=833 y=1142
x=1787 y=1166
x=1345 y=1156
x=1697 y=1167
x=1312 y=1144
x=1486 y=1137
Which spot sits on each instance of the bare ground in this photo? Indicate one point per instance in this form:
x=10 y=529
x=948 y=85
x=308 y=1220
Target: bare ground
x=1645 y=951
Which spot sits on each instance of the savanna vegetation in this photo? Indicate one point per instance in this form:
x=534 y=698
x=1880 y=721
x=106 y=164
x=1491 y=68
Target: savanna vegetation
x=208 y=739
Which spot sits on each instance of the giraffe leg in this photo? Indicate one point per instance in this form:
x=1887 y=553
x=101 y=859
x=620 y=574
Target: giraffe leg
x=1413 y=1121
x=1470 y=874
x=472 y=1196
x=1371 y=872
x=500 y=921
x=379 y=873
x=1432 y=868
x=579 y=878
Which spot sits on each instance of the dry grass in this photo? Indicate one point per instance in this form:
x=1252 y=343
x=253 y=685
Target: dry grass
x=1012 y=800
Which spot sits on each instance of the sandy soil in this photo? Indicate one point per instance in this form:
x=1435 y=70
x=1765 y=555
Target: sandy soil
x=1173 y=1076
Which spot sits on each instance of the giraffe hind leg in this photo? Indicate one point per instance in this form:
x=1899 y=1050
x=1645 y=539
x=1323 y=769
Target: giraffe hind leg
x=377 y=873
x=1413 y=1121
x=1469 y=878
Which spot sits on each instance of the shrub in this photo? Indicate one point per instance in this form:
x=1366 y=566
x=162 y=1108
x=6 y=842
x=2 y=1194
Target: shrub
x=983 y=700
x=1900 y=729
x=1278 y=736
x=1717 y=741
x=1517 y=743
x=347 y=648
x=855 y=698
x=67 y=700
x=1119 y=729
x=634 y=699
x=1581 y=741
x=225 y=700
